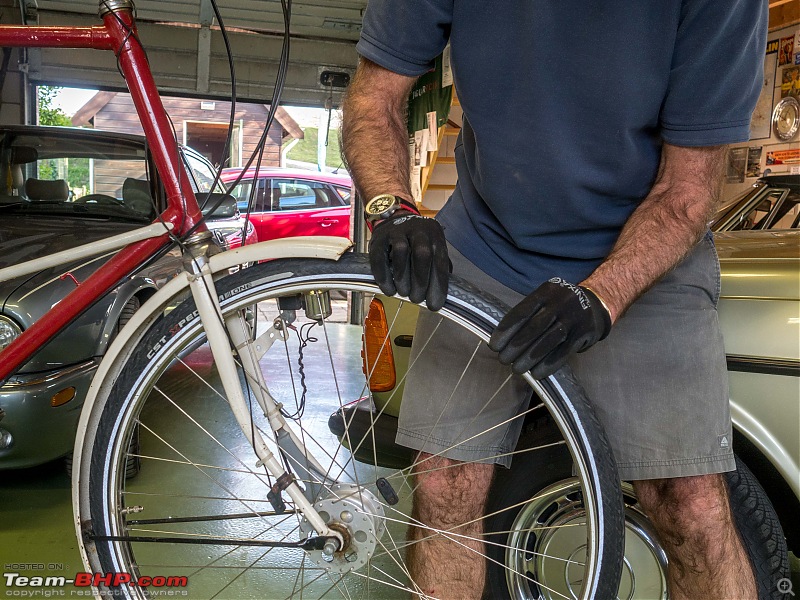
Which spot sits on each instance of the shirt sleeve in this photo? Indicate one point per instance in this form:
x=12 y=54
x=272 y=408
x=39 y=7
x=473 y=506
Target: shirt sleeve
x=716 y=74
x=405 y=36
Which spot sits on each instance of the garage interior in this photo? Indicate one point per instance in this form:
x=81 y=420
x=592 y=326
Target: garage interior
x=188 y=59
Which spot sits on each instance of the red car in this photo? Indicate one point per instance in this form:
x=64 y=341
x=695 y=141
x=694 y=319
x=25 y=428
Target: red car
x=293 y=202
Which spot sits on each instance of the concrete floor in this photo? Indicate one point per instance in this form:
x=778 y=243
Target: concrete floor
x=36 y=532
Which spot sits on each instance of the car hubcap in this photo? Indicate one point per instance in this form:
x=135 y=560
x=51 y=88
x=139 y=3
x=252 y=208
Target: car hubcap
x=547 y=548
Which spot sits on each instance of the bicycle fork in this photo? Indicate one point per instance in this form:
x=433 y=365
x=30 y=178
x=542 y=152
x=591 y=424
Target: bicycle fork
x=225 y=337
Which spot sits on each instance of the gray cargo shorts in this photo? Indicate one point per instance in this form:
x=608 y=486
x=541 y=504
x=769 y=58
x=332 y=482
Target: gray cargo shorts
x=658 y=382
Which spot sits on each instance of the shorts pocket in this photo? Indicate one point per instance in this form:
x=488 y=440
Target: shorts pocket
x=717 y=283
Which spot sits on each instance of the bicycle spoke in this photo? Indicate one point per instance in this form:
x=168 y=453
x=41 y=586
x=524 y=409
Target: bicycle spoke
x=323 y=444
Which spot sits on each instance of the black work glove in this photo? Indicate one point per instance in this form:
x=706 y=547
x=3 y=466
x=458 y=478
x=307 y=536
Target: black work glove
x=555 y=321
x=408 y=256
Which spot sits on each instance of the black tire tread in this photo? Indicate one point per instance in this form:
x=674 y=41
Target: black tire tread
x=760 y=530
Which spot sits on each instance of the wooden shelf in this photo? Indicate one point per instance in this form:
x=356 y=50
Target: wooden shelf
x=446 y=160
x=452 y=131
x=425 y=211
x=441 y=186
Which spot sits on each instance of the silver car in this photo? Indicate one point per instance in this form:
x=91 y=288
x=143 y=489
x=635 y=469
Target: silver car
x=60 y=188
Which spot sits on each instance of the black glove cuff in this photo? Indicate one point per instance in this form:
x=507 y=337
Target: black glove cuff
x=602 y=309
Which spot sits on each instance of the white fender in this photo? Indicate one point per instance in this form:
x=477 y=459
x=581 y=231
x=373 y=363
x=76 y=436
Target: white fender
x=300 y=247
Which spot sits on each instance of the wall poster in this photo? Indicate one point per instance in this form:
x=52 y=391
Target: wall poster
x=781 y=158
x=737 y=162
x=753 y=162
x=790 y=82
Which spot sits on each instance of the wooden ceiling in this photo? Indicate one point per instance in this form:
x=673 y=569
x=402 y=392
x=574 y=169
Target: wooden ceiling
x=783 y=13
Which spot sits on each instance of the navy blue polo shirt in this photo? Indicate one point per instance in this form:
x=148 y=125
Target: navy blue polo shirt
x=566 y=106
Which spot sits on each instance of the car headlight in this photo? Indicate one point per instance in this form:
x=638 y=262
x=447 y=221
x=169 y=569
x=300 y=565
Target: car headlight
x=9 y=331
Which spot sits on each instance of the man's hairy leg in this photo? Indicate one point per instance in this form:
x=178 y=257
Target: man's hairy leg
x=446 y=499
x=694 y=524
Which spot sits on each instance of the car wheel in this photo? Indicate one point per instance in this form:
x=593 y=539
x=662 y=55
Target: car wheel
x=538 y=543
x=134 y=462
x=127 y=312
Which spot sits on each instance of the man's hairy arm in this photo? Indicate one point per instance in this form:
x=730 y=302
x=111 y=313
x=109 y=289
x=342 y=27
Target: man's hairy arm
x=374 y=131
x=664 y=228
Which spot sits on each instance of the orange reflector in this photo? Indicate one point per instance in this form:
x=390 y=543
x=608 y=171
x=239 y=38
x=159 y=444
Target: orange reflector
x=62 y=397
x=378 y=363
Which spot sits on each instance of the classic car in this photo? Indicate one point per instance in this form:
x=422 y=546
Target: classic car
x=60 y=188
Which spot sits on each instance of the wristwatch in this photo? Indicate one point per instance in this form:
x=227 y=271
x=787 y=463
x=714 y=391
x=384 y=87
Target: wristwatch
x=383 y=206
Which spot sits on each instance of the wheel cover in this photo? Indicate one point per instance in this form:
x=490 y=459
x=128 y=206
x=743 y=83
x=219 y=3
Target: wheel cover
x=547 y=548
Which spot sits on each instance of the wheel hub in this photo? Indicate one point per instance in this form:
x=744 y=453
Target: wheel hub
x=355 y=513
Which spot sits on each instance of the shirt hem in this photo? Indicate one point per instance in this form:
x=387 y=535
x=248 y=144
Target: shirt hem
x=390 y=59
x=706 y=135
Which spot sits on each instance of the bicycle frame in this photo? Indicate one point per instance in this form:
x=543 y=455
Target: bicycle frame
x=181 y=216
x=117 y=34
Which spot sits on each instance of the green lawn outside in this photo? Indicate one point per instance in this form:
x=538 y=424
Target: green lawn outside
x=306 y=149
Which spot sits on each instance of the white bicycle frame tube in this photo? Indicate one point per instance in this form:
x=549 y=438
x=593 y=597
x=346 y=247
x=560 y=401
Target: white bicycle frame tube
x=97 y=248
x=125 y=343
x=205 y=298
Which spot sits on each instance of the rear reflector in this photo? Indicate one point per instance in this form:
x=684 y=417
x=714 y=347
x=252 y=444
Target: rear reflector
x=379 y=360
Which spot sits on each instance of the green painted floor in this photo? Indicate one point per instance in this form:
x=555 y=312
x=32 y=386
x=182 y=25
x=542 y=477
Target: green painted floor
x=36 y=533
x=36 y=525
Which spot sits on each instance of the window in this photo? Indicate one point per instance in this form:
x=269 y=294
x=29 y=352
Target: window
x=298 y=194
x=344 y=193
x=201 y=173
x=758 y=216
x=242 y=194
x=57 y=173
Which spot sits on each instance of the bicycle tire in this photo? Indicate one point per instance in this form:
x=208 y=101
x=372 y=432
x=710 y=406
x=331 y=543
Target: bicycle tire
x=133 y=402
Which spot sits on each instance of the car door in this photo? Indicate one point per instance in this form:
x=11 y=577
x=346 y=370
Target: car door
x=301 y=207
x=260 y=211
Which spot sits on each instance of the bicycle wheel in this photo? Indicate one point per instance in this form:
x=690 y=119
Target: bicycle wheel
x=202 y=503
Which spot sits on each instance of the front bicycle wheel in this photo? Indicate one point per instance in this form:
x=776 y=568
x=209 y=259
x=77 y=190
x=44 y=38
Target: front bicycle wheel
x=202 y=512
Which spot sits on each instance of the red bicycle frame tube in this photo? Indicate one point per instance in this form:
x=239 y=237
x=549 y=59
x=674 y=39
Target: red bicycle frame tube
x=117 y=34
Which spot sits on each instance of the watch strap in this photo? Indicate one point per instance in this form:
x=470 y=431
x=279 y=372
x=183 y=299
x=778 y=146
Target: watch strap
x=403 y=204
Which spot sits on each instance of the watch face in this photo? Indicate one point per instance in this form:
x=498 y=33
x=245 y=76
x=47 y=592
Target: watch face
x=786 y=118
x=380 y=204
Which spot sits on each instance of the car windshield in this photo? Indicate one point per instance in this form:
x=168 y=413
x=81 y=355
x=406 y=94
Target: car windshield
x=201 y=173
x=773 y=206
x=66 y=173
